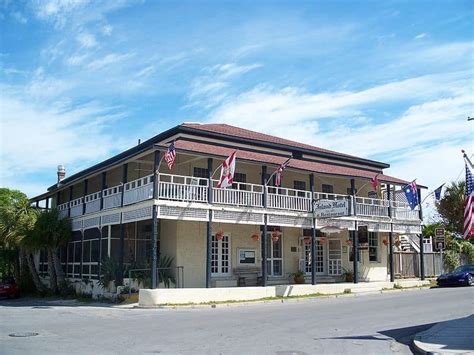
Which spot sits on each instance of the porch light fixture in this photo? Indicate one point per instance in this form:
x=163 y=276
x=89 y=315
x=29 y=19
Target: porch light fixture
x=219 y=235
x=275 y=237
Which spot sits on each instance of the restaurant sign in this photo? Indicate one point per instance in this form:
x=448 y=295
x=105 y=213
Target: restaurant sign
x=331 y=208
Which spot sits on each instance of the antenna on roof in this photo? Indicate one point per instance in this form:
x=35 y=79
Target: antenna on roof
x=139 y=141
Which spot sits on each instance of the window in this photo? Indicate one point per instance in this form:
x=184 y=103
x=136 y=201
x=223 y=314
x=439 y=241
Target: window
x=201 y=173
x=373 y=246
x=220 y=256
x=300 y=185
x=328 y=189
x=372 y=194
x=239 y=177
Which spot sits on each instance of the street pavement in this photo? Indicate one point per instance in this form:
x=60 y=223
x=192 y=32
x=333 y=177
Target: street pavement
x=367 y=324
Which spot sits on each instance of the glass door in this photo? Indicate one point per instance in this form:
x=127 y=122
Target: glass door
x=305 y=259
x=274 y=254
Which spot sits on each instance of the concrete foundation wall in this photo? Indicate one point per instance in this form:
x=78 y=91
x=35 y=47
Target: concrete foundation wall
x=157 y=297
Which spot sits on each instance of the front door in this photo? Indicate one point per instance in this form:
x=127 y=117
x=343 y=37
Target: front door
x=274 y=254
x=305 y=258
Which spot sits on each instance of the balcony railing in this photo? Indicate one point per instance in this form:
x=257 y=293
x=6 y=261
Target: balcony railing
x=241 y=194
x=288 y=199
x=371 y=207
x=193 y=189
x=138 y=190
x=92 y=202
x=182 y=188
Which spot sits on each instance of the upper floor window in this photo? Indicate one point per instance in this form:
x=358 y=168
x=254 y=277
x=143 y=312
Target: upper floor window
x=240 y=177
x=300 y=185
x=328 y=189
x=201 y=173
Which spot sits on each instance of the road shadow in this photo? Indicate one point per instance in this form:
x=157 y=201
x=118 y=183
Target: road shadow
x=49 y=303
x=401 y=335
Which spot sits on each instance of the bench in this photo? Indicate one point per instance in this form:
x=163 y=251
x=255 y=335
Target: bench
x=245 y=274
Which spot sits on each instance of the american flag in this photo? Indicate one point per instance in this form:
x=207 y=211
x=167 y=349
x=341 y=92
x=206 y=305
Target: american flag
x=279 y=172
x=170 y=156
x=469 y=205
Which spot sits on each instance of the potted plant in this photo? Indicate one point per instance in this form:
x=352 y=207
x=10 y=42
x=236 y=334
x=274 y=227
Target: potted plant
x=347 y=275
x=298 y=277
x=255 y=237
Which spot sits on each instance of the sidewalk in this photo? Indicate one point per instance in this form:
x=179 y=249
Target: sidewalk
x=453 y=336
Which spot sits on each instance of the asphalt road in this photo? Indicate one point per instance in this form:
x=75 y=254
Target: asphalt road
x=368 y=324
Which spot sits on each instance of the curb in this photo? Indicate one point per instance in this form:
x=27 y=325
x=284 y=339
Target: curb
x=285 y=300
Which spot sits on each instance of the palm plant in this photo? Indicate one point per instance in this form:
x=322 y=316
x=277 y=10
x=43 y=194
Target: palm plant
x=52 y=232
x=17 y=218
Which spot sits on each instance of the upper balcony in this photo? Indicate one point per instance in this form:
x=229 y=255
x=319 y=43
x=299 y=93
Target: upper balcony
x=181 y=188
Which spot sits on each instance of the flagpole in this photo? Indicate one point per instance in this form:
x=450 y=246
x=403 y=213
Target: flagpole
x=270 y=177
x=467 y=158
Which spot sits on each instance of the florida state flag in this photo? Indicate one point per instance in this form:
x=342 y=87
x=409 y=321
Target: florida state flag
x=227 y=172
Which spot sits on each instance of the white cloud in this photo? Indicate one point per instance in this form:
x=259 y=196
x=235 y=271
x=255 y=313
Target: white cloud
x=107 y=30
x=207 y=89
x=86 y=40
x=420 y=36
x=109 y=59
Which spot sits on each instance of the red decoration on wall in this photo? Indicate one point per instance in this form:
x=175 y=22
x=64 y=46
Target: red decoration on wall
x=255 y=237
x=219 y=235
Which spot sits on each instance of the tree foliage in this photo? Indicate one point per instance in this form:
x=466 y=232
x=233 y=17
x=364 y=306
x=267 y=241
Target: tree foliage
x=451 y=207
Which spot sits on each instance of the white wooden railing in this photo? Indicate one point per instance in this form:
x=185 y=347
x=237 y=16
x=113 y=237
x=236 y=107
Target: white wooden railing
x=138 y=190
x=182 y=188
x=371 y=207
x=403 y=211
x=112 y=197
x=193 y=189
x=76 y=207
x=288 y=199
x=92 y=202
x=241 y=194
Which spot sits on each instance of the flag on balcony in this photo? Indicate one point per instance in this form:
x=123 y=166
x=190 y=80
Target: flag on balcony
x=170 y=156
x=469 y=205
x=374 y=182
x=437 y=192
x=411 y=194
x=227 y=172
x=279 y=172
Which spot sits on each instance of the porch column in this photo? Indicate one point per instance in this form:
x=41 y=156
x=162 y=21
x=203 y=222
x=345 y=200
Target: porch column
x=70 y=199
x=103 y=187
x=86 y=186
x=37 y=203
x=313 y=232
x=390 y=234
x=355 y=235
x=263 y=228
x=58 y=198
x=47 y=202
x=209 y=225
x=154 y=221
x=122 y=226
x=422 y=251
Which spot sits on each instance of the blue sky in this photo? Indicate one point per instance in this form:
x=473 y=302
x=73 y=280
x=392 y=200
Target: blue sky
x=82 y=80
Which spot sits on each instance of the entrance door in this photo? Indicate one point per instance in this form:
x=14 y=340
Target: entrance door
x=274 y=255
x=220 y=256
x=305 y=259
x=334 y=257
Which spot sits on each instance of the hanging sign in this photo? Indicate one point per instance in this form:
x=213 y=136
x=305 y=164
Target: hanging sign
x=331 y=208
